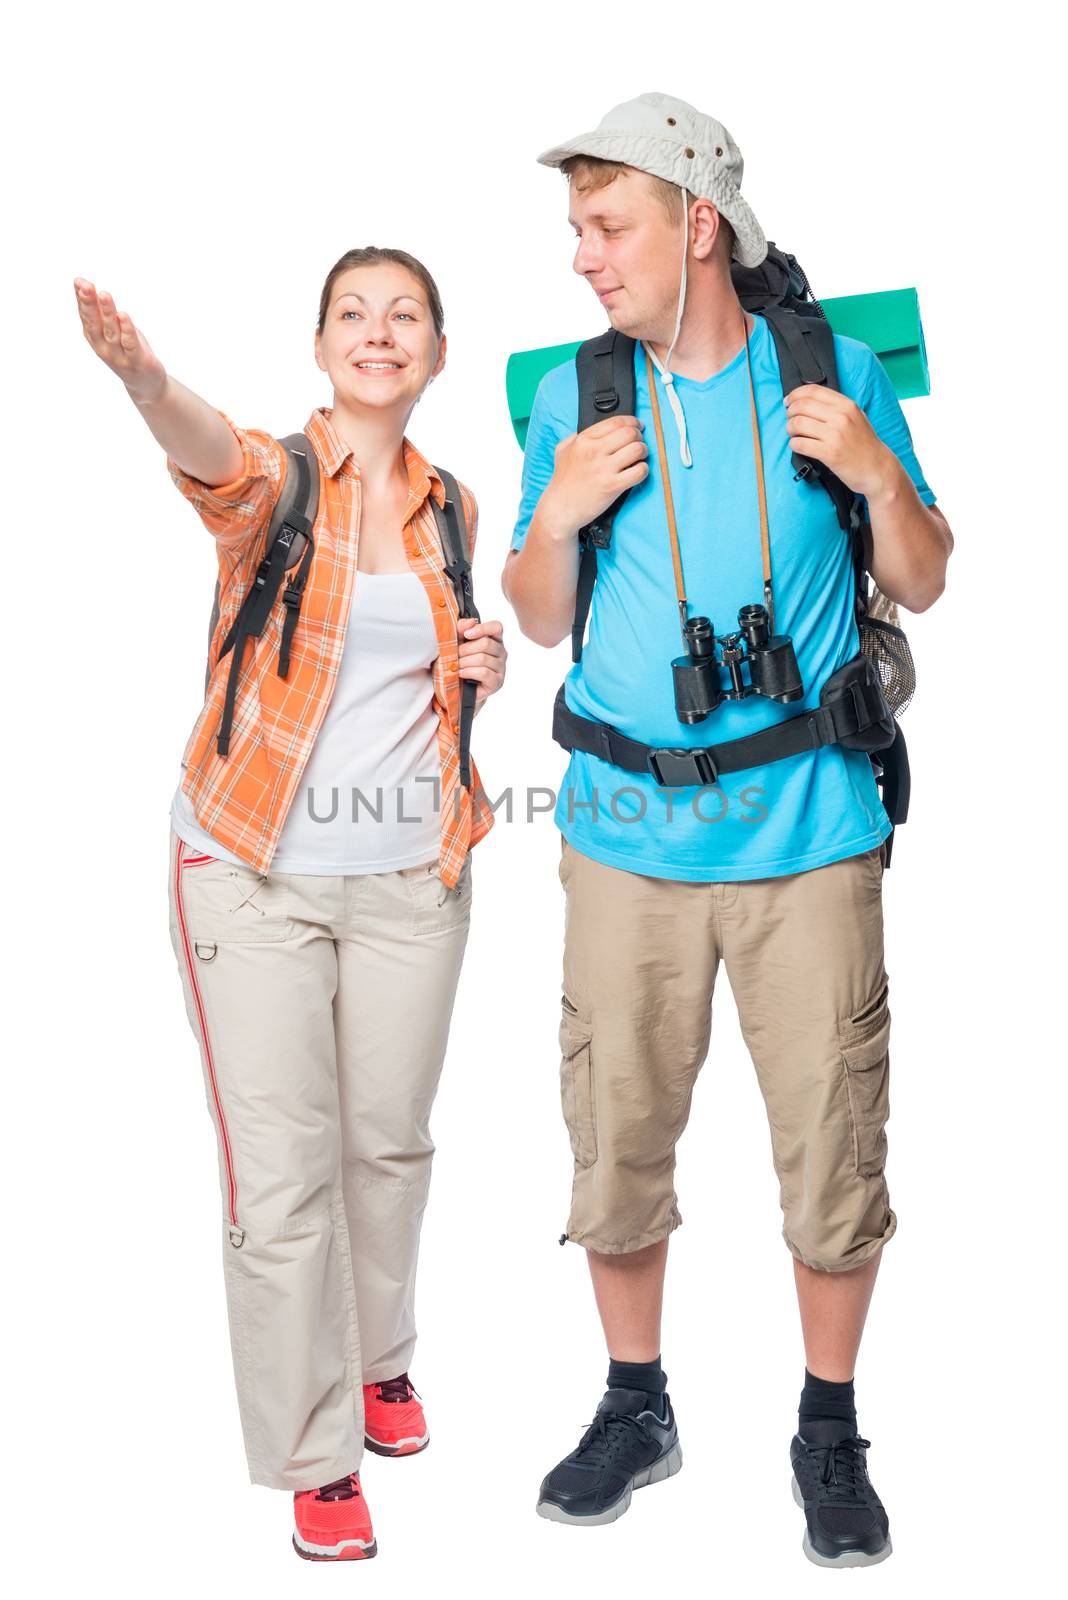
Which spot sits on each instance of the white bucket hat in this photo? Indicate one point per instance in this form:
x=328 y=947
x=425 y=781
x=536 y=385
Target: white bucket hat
x=659 y=134
x=669 y=139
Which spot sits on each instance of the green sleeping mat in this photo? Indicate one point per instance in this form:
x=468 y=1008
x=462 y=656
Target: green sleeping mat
x=888 y=321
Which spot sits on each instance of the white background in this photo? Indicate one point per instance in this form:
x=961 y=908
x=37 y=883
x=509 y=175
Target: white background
x=207 y=165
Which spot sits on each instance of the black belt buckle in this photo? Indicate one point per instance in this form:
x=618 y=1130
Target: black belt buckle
x=679 y=769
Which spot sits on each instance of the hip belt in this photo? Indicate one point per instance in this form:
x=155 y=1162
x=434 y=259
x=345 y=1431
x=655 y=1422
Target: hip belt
x=852 y=712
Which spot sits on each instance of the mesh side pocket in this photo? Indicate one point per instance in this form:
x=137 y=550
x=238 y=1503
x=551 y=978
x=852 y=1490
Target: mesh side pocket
x=883 y=641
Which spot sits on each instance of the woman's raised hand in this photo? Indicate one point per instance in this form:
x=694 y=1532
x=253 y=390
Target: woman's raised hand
x=118 y=343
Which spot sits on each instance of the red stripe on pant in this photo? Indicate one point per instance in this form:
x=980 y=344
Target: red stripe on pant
x=180 y=861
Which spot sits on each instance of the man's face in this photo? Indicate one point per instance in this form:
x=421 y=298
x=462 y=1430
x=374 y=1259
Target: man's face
x=630 y=253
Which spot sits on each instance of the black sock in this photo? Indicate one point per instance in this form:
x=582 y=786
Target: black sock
x=646 y=1376
x=822 y=1400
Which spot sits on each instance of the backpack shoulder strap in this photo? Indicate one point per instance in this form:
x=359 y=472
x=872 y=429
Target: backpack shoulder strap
x=288 y=543
x=456 y=548
x=805 y=348
x=605 y=370
x=605 y=367
x=300 y=492
x=294 y=530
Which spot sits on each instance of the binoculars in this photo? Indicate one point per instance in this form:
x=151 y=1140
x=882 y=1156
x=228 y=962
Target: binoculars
x=773 y=670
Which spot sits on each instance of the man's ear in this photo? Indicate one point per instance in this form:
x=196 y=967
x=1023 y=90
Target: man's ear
x=319 y=362
x=704 y=227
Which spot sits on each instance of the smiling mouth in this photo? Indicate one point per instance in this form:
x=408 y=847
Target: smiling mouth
x=602 y=294
x=378 y=366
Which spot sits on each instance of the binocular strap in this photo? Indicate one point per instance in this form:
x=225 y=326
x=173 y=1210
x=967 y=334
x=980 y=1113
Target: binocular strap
x=669 y=499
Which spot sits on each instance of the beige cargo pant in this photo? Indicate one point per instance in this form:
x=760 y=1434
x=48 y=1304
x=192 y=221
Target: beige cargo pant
x=804 y=957
x=321 y=1006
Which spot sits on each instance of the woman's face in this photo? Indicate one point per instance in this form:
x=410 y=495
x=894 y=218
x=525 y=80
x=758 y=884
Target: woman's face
x=378 y=343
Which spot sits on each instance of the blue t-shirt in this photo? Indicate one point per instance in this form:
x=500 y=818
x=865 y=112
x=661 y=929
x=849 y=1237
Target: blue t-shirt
x=787 y=816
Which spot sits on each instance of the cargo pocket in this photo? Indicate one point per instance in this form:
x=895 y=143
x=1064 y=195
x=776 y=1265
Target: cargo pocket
x=576 y=1083
x=864 y=1041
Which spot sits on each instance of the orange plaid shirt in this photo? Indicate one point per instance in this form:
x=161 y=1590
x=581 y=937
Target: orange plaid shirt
x=243 y=799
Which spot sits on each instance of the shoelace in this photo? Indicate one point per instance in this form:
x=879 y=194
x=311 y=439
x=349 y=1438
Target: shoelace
x=606 y=1433
x=841 y=1472
x=395 y=1390
x=342 y=1489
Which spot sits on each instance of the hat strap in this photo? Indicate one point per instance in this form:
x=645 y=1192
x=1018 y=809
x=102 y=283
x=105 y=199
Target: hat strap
x=666 y=376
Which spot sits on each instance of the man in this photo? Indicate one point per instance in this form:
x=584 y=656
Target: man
x=776 y=869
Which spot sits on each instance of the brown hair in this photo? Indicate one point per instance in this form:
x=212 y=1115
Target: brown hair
x=590 y=172
x=373 y=256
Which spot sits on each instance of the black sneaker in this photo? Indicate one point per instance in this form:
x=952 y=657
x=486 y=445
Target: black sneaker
x=625 y=1447
x=847 y=1526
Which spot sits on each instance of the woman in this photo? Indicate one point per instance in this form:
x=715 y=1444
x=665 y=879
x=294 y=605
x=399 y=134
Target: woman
x=320 y=884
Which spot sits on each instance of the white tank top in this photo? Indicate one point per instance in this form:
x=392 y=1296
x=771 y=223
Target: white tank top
x=368 y=798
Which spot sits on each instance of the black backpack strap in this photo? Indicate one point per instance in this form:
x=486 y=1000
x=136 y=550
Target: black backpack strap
x=292 y=596
x=455 y=546
x=587 y=577
x=605 y=369
x=856 y=716
x=301 y=491
x=452 y=531
x=289 y=541
x=805 y=347
x=293 y=494
x=305 y=504
x=893 y=776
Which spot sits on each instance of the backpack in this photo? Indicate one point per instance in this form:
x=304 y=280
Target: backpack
x=289 y=545
x=779 y=291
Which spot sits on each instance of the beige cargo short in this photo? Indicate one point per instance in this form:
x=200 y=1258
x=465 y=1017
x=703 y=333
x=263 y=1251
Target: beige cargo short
x=804 y=958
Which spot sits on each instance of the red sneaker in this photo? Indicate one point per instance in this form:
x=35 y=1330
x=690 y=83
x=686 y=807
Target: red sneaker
x=333 y=1523
x=394 y=1424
